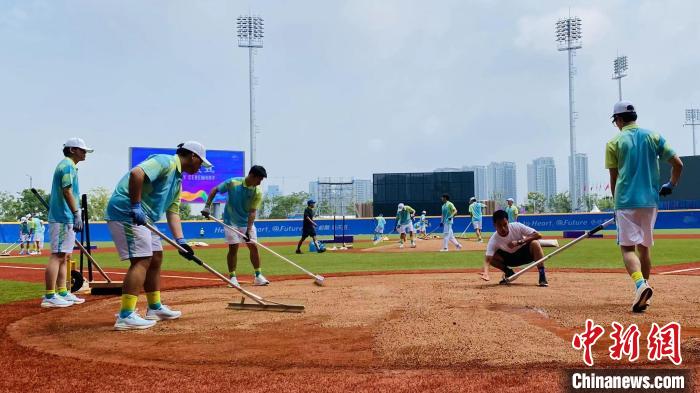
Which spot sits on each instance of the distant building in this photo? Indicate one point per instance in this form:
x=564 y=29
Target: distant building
x=447 y=170
x=580 y=188
x=502 y=181
x=542 y=176
x=362 y=190
x=273 y=190
x=313 y=189
x=481 y=183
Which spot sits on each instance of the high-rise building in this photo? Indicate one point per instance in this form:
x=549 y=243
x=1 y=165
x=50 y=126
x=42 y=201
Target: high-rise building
x=542 y=176
x=579 y=189
x=273 y=190
x=313 y=190
x=502 y=181
x=362 y=190
x=480 y=180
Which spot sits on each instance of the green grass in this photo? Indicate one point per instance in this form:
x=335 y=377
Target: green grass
x=13 y=291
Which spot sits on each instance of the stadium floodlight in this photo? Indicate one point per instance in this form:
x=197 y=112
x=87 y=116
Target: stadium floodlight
x=569 y=37
x=692 y=118
x=250 y=31
x=619 y=71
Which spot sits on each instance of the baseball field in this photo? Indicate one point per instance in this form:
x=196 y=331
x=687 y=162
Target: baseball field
x=386 y=320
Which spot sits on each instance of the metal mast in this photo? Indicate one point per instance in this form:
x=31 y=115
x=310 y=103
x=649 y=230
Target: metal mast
x=250 y=35
x=568 y=37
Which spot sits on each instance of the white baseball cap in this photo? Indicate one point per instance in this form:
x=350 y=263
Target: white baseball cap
x=510 y=200
x=423 y=211
x=23 y=219
x=198 y=149
x=623 y=107
x=401 y=206
x=29 y=215
x=79 y=143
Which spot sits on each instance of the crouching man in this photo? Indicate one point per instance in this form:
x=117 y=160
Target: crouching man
x=513 y=244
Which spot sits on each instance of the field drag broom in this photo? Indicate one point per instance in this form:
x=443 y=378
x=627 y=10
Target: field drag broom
x=108 y=287
x=318 y=279
x=8 y=251
x=586 y=235
x=259 y=303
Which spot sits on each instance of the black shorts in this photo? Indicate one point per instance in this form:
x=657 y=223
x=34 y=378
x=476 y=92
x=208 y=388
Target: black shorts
x=517 y=258
x=306 y=232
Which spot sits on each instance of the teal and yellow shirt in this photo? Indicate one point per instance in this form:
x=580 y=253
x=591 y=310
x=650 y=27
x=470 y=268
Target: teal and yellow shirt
x=448 y=211
x=635 y=152
x=65 y=175
x=38 y=228
x=381 y=221
x=241 y=200
x=24 y=228
x=160 y=193
x=475 y=210
x=403 y=217
x=512 y=213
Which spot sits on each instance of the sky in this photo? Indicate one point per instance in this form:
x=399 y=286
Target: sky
x=343 y=88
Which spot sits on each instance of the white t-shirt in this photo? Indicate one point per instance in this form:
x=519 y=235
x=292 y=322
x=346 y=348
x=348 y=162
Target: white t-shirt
x=516 y=231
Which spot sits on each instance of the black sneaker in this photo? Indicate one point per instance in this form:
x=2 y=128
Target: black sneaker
x=321 y=250
x=298 y=252
x=543 y=281
x=508 y=273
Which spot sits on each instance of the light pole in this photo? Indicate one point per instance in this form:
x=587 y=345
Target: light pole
x=568 y=37
x=619 y=68
x=692 y=116
x=250 y=35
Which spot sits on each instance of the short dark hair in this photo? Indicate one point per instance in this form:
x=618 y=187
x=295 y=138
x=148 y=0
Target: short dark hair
x=627 y=116
x=446 y=196
x=499 y=215
x=66 y=151
x=258 y=171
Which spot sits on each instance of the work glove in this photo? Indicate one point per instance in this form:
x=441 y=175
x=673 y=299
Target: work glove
x=666 y=189
x=246 y=236
x=206 y=212
x=188 y=253
x=78 y=220
x=137 y=214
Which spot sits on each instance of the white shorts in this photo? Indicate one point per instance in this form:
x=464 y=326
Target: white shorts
x=62 y=237
x=635 y=226
x=405 y=228
x=133 y=241
x=234 y=238
x=379 y=230
x=24 y=237
x=476 y=224
x=39 y=237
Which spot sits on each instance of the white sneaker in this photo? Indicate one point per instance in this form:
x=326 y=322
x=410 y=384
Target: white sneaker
x=444 y=250
x=163 y=313
x=234 y=280
x=481 y=240
x=132 y=322
x=401 y=245
x=55 y=302
x=260 y=280
x=459 y=246
x=72 y=298
x=641 y=296
x=413 y=244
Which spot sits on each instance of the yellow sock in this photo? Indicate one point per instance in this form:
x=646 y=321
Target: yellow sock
x=128 y=305
x=232 y=274
x=638 y=278
x=153 y=299
x=63 y=291
x=49 y=293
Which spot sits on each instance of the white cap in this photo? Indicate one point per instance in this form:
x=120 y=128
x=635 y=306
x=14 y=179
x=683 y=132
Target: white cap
x=23 y=219
x=79 y=143
x=510 y=200
x=423 y=211
x=29 y=215
x=198 y=149
x=401 y=206
x=623 y=107
x=472 y=199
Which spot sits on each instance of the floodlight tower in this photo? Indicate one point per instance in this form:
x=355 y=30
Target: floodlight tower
x=619 y=71
x=250 y=35
x=568 y=36
x=692 y=116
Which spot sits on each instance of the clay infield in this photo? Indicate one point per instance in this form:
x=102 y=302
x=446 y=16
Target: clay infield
x=437 y=332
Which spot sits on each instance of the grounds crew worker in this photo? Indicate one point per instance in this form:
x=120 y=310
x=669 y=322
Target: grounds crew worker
x=632 y=158
x=244 y=198
x=148 y=191
x=308 y=227
x=65 y=218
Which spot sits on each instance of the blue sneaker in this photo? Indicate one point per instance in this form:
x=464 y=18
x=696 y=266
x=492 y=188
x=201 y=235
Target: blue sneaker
x=164 y=312
x=132 y=322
